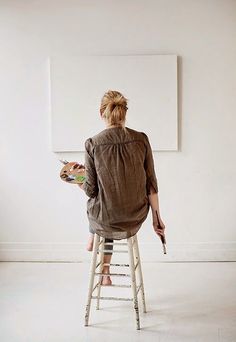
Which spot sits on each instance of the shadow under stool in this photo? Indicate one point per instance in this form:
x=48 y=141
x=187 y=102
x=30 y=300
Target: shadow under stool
x=134 y=267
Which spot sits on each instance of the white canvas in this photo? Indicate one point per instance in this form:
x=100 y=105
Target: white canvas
x=78 y=83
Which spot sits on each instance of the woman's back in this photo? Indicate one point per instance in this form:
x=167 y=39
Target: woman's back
x=119 y=173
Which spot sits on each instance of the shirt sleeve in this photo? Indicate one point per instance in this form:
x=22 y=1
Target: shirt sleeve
x=90 y=185
x=151 y=179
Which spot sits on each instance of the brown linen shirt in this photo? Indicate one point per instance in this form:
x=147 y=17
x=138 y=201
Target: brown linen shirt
x=119 y=170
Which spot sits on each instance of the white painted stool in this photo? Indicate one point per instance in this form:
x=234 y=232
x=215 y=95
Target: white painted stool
x=134 y=264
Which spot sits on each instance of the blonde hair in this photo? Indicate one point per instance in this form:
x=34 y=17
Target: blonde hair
x=114 y=107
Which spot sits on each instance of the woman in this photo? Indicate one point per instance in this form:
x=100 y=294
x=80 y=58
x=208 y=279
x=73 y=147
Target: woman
x=120 y=178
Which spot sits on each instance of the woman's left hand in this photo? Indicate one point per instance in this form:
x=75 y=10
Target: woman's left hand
x=81 y=186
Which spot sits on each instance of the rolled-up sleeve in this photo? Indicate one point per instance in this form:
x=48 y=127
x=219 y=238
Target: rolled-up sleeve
x=90 y=185
x=151 y=179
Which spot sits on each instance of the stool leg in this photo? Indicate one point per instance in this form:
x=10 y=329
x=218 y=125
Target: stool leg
x=139 y=269
x=91 y=277
x=133 y=281
x=100 y=271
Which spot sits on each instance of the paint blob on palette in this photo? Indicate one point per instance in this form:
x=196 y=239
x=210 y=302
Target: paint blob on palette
x=72 y=172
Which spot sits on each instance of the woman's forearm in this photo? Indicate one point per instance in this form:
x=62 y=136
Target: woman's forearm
x=154 y=202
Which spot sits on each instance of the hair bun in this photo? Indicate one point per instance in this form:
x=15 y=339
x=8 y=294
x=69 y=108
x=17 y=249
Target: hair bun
x=113 y=107
x=119 y=101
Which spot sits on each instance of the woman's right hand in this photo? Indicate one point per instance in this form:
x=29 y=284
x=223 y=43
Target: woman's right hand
x=159 y=227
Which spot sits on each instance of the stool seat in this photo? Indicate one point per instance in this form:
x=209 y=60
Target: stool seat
x=134 y=265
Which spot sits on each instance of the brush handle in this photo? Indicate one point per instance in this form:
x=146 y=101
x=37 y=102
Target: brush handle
x=63 y=161
x=163 y=240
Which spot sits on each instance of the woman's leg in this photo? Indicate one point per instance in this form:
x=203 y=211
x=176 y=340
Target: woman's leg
x=106 y=280
x=90 y=241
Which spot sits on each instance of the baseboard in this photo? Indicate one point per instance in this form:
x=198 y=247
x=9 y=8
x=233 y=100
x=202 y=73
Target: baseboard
x=150 y=252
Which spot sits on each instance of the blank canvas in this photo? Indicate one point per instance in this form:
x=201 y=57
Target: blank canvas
x=77 y=84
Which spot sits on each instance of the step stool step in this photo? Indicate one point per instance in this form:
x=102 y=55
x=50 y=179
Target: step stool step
x=113 y=274
x=113 y=298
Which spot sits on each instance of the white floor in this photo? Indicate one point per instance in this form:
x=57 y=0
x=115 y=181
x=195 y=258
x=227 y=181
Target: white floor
x=45 y=302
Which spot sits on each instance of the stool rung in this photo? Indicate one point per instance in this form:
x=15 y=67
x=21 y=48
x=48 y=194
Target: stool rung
x=95 y=287
x=112 y=298
x=99 y=263
x=116 y=243
x=136 y=265
x=107 y=264
x=111 y=251
x=113 y=274
x=117 y=285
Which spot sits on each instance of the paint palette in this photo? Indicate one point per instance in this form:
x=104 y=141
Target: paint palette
x=72 y=172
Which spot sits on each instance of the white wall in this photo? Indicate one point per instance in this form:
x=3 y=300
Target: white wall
x=45 y=219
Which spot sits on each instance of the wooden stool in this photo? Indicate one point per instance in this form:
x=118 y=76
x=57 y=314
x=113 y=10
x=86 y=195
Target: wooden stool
x=134 y=264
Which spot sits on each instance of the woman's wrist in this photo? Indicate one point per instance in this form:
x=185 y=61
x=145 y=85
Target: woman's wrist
x=155 y=215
